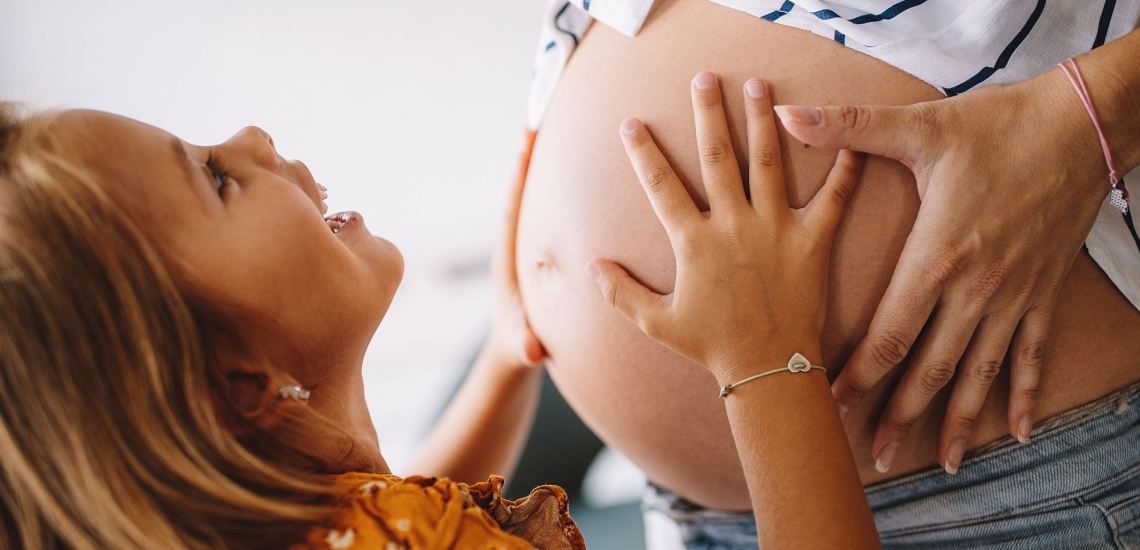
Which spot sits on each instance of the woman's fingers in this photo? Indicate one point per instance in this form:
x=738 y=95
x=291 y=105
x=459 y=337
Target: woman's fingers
x=904 y=309
x=930 y=369
x=719 y=169
x=900 y=133
x=826 y=209
x=670 y=200
x=979 y=367
x=1028 y=355
x=765 y=166
x=638 y=304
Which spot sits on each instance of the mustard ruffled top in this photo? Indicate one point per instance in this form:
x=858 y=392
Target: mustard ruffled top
x=384 y=512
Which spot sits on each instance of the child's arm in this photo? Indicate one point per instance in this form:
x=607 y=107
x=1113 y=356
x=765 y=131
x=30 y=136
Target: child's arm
x=751 y=291
x=483 y=429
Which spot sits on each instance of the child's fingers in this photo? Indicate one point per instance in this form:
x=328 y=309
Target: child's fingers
x=503 y=260
x=670 y=200
x=826 y=209
x=719 y=170
x=623 y=293
x=765 y=168
x=530 y=349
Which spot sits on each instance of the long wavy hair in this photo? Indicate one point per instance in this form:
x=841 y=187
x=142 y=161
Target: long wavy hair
x=115 y=426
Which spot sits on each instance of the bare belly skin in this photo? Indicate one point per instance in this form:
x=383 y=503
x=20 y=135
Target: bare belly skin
x=583 y=201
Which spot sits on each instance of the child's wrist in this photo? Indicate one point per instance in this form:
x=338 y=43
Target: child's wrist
x=735 y=367
x=498 y=355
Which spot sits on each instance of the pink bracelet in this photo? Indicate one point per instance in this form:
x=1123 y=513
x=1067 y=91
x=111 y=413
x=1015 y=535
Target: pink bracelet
x=1118 y=197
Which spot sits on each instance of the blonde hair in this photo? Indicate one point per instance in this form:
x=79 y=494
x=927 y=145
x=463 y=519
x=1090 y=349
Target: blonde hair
x=115 y=429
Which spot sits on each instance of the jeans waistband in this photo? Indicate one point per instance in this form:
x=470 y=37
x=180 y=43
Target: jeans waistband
x=1070 y=454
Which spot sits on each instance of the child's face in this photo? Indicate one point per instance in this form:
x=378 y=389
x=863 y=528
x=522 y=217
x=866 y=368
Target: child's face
x=247 y=235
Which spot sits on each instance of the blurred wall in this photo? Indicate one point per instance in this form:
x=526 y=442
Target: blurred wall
x=410 y=112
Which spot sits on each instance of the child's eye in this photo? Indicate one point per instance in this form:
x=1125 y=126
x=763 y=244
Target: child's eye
x=218 y=171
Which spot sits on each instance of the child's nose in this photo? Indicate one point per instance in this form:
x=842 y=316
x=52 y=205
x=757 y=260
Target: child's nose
x=258 y=144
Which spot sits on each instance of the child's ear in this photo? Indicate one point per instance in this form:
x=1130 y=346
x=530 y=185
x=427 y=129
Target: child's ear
x=256 y=395
x=275 y=419
x=246 y=391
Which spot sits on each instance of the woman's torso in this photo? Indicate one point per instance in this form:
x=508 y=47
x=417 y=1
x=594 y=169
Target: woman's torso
x=584 y=202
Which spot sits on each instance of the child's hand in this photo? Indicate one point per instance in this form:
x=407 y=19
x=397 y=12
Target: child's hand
x=511 y=342
x=751 y=278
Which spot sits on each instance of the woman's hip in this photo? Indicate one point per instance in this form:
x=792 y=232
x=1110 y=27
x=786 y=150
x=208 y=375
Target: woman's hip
x=1077 y=485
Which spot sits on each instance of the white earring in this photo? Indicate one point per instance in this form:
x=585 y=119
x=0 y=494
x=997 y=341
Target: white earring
x=293 y=392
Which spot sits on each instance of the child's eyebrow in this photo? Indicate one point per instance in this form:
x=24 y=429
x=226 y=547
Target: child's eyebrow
x=183 y=159
x=188 y=171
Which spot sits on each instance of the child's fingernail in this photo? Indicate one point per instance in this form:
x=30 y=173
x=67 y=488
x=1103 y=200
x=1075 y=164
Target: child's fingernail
x=808 y=116
x=629 y=126
x=754 y=89
x=1024 y=427
x=886 y=457
x=954 y=456
x=704 y=81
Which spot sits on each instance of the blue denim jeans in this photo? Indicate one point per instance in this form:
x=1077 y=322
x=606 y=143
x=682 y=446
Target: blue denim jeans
x=1077 y=485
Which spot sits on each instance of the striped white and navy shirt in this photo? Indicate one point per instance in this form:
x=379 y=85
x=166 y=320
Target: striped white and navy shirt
x=954 y=45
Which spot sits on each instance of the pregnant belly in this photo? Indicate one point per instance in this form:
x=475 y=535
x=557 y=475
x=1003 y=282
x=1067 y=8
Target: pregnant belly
x=583 y=202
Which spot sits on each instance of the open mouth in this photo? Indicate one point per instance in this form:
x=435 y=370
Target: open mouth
x=335 y=222
x=342 y=221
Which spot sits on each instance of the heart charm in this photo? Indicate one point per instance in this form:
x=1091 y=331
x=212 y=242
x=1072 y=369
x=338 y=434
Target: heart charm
x=1119 y=199
x=799 y=363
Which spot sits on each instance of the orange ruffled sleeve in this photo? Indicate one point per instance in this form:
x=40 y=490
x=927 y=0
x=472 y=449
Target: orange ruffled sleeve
x=385 y=512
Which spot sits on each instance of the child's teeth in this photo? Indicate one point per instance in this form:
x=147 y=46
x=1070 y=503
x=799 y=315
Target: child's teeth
x=334 y=225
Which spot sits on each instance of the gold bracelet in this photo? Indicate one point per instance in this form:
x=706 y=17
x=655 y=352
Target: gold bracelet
x=798 y=363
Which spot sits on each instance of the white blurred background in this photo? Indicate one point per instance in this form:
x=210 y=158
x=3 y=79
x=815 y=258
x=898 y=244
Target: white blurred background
x=409 y=112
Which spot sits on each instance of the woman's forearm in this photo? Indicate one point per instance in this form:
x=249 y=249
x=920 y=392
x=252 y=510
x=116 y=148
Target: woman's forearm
x=801 y=477
x=484 y=428
x=1112 y=73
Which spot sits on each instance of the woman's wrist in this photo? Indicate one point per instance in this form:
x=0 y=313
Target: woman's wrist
x=1113 y=78
x=1051 y=99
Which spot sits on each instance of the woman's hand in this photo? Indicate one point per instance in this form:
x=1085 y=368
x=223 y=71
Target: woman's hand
x=751 y=278
x=1011 y=179
x=511 y=341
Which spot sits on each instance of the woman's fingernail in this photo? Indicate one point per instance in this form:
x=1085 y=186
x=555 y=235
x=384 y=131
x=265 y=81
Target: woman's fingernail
x=593 y=271
x=629 y=126
x=843 y=411
x=704 y=81
x=754 y=89
x=808 y=116
x=954 y=456
x=886 y=457
x=1024 y=427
